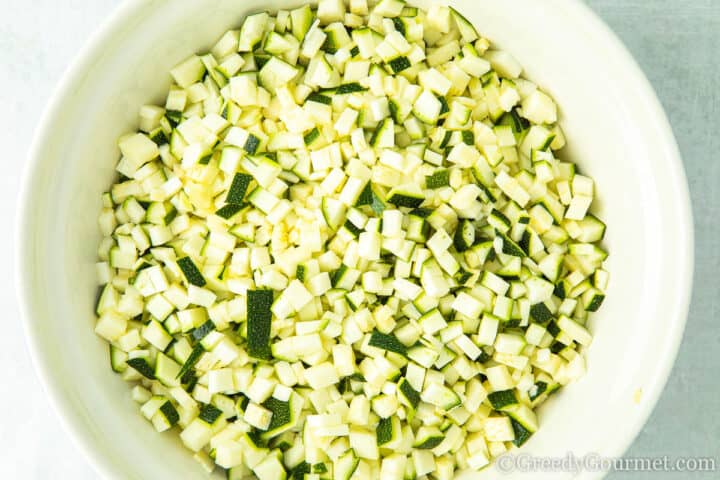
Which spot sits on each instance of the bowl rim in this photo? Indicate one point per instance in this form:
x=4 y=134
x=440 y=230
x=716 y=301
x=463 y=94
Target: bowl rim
x=127 y=10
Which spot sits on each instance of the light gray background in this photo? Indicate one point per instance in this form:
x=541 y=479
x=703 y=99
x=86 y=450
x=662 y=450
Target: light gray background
x=676 y=42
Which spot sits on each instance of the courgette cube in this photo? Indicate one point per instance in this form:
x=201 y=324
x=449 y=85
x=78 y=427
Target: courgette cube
x=191 y=272
x=259 y=317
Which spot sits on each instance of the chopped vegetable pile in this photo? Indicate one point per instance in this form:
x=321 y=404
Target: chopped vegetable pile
x=345 y=248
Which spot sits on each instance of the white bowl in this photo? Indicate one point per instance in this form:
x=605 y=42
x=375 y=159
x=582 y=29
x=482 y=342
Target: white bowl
x=616 y=131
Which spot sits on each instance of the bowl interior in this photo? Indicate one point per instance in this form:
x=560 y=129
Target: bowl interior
x=616 y=133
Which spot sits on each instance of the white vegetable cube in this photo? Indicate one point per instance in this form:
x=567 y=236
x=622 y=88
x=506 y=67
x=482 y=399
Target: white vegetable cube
x=257 y=416
x=512 y=188
x=140 y=394
x=111 y=326
x=444 y=467
x=467 y=305
x=434 y=81
x=351 y=331
x=263 y=200
x=270 y=469
x=259 y=257
x=438 y=17
x=432 y=322
x=439 y=242
x=282 y=393
x=346 y=122
x=196 y=435
x=192 y=154
x=260 y=389
x=359 y=410
x=285 y=373
x=321 y=376
x=379 y=108
x=343 y=359
x=331 y=11
x=539 y=108
x=509 y=343
x=359 y=7
x=228 y=454
x=333 y=181
x=544 y=174
x=504 y=63
x=319 y=284
x=534 y=334
x=602 y=278
x=364 y=443
x=475 y=394
x=328 y=425
x=183 y=398
x=503 y=307
x=386 y=52
x=129 y=341
x=540 y=290
x=499 y=377
x=193 y=130
x=351 y=191
x=176 y=100
x=369 y=245
x=385 y=405
x=200 y=296
x=424 y=462
x=357 y=137
x=477 y=461
x=488 y=329
x=191 y=318
x=495 y=449
x=201 y=394
x=564 y=192
x=575 y=368
x=221 y=380
x=498 y=429
x=576 y=331
x=188 y=72
x=355 y=71
x=108 y=222
x=243 y=90
x=578 y=207
x=406 y=289
x=473 y=65
x=138 y=149
x=398 y=42
x=447 y=261
x=495 y=283
x=465 y=197
x=468 y=347
x=427 y=107
x=434 y=283
x=297 y=295
x=464 y=155
x=403 y=269
x=392 y=223
x=151 y=406
x=372 y=281
x=393 y=467
x=582 y=185
x=156 y=335
x=416 y=55
x=150 y=116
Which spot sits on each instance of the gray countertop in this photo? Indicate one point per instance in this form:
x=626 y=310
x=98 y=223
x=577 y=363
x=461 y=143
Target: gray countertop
x=676 y=43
